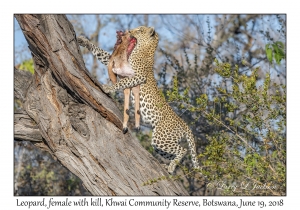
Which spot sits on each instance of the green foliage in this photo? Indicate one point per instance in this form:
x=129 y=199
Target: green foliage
x=174 y=95
x=253 y=137
x=276 y=51
x=27 y=65
x=248 y=143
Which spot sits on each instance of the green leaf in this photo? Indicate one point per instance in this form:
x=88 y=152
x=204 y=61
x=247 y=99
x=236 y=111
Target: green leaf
x=269 y=52
x=279 y=44
x=278 y=51
x=274 y=154
x=278 y=58
x=27 y=65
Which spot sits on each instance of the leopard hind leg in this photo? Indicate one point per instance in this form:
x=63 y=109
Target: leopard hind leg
x=168 y=147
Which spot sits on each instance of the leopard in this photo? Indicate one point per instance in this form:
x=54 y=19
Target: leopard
x=168 y=128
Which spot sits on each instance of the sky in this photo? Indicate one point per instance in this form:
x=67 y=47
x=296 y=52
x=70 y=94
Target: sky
x=18 y=35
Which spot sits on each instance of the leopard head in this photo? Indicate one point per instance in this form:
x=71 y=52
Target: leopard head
x=146 y=40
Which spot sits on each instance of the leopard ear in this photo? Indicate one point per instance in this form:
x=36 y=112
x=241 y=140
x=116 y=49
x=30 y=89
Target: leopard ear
x=151 y=31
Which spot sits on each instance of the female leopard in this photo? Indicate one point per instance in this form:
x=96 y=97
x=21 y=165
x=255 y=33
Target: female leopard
x=168 y=128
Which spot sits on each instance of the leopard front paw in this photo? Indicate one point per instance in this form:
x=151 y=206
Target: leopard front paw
x=165 y=166
x=171 y=168
x=107 y=88
x=83 y=41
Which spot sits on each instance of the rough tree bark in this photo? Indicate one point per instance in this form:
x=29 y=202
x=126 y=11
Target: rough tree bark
x=67 y=114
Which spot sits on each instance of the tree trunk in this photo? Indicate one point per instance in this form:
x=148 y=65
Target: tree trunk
x=67 y=113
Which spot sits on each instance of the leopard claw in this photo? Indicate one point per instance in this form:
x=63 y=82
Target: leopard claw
x=125 y=130
x=164 y=166
x=106 y=88
x=82 y=41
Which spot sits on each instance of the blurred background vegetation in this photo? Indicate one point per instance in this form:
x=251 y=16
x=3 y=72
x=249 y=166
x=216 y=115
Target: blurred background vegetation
x=225 y=75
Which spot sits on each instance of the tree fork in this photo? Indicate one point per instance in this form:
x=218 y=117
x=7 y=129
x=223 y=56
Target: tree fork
x=67 y=113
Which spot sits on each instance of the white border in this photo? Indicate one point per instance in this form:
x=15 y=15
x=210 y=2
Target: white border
x=153 y=6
